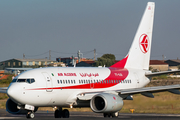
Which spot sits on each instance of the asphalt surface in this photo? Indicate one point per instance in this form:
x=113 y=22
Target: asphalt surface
x=41 y=115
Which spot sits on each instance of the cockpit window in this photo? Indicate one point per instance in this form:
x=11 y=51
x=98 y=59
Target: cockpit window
x=24 y=80
x=14 y=80
x=30 y=81
x=21 y=80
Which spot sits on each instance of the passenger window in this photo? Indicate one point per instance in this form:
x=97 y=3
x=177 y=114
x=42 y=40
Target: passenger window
x=61 y=81
x=74 y=82
x=58 y=81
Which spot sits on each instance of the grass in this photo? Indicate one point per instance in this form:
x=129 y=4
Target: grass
x=160 y=77
x=164 y=102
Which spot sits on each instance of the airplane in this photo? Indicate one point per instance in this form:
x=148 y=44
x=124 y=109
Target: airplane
x=103 y=89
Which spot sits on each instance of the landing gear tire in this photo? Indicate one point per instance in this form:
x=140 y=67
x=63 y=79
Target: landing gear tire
x=58 y=113
x=30 y=115
x=65 y=113
x=106 y=115
x=115 y=115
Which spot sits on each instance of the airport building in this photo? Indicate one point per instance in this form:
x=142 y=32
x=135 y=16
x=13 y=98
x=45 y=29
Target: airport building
x=24 y=63
x=71 y=61
x=174 y=64
x=158 y=65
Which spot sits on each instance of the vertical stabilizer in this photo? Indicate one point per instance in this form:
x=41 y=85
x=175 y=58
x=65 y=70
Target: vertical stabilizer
x=139 y=53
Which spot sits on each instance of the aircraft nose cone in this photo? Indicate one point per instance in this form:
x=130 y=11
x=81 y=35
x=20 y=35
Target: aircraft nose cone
x=10 y=92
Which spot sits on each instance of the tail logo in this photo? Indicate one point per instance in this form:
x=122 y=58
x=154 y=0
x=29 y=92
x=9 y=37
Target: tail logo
x=144 y=43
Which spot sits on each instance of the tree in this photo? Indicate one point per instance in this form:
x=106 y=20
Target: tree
x=106 y=59
x=109 y=56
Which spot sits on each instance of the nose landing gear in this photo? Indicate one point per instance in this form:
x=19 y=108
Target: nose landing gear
x=30 y=114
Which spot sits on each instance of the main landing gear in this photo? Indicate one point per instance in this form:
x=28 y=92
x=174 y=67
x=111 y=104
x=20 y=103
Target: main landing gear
x=61 y=113
x=113 y=115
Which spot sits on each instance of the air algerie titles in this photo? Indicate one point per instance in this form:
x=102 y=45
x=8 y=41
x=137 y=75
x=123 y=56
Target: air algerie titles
x=81 y=74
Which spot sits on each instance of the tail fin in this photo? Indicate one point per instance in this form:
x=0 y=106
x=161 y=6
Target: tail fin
x=139 y=53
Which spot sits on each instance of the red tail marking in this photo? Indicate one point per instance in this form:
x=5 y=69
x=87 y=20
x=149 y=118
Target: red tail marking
x=121 y=63
x=144 y=43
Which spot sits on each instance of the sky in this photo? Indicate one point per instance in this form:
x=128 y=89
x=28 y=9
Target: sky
x=33 y=27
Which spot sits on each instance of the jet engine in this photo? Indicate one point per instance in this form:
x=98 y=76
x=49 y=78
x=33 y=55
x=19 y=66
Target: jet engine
x=106 y=102
x=12 y=108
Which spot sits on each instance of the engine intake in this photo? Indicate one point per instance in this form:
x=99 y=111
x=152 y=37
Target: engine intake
x=106 y=102
x=11 y=107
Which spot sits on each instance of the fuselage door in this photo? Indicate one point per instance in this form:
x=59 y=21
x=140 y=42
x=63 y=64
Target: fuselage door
x=48 y=82
x=136 y=79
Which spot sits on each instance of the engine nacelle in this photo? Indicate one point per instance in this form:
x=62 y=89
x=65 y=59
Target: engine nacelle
x=106 y=102
x=11 y=107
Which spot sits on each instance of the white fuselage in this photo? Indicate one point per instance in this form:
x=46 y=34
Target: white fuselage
x=59 y=86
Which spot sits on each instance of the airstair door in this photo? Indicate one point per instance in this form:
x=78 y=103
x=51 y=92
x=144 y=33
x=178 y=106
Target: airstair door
x=49 y=87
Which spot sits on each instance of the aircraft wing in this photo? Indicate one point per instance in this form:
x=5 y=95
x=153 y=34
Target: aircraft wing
x=146 y=91
x=160 y=73
x=171 y=88
x=3 y=90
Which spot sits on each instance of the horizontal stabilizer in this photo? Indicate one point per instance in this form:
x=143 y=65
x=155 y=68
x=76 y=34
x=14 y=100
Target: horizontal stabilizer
x=160 y=73
x=3 y=90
